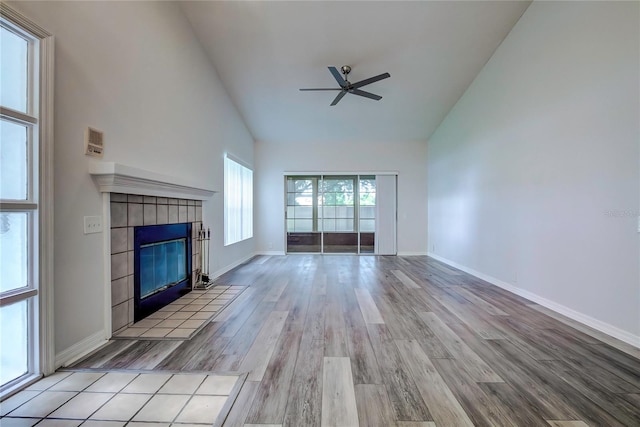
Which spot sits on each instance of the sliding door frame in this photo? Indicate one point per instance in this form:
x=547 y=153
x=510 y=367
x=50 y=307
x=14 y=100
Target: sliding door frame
x=316 y=217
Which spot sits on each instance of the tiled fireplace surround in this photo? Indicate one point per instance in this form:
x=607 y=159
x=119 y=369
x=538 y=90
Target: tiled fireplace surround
x=127 y=212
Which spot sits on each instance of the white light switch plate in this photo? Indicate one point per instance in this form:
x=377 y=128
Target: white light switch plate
x=92 y=224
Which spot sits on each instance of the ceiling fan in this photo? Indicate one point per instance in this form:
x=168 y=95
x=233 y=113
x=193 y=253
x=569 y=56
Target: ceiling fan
x=347 y=87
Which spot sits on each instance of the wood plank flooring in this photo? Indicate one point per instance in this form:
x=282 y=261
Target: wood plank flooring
x=395 y=341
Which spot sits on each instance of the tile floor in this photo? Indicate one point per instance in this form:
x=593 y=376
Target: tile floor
x=184 y=317
x=116 y=399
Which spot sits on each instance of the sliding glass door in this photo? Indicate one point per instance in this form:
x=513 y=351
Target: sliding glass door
x=303 y=232
x=331 y=214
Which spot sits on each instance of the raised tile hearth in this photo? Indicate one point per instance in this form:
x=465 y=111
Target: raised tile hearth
x=183 y=318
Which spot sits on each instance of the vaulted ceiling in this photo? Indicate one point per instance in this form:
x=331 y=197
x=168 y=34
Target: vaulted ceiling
x=265 y=51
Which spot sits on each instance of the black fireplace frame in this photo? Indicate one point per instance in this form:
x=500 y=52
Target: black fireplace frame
x=156 y=234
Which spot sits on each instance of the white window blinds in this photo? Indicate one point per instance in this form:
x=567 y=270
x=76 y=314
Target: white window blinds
x=238 y=202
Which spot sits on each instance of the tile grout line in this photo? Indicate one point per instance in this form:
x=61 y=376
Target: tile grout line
x=77 y=393
x=188 y=400
x=84 y=391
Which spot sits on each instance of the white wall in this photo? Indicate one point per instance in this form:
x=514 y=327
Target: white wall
x=525 y=170
x=135 y=71
x=273 y=159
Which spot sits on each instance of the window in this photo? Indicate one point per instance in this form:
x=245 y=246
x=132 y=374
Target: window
x=25 y=200
x=238 y=202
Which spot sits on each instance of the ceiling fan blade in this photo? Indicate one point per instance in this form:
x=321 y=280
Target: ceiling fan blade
x=334 y=88
x=338 y=76
x=366 y=94
x=370 y=80
x=339 y=97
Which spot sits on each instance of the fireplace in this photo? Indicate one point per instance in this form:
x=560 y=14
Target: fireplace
x=162 y=266
x=133 y=212
x=137 y=197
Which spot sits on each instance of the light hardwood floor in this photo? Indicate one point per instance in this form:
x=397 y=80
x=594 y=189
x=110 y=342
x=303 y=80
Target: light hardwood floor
x=394 y=341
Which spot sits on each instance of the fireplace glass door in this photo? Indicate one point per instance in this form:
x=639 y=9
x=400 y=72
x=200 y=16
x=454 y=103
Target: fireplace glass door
x=162 y=266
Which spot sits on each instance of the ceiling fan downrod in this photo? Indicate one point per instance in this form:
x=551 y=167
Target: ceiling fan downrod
x=346 y=70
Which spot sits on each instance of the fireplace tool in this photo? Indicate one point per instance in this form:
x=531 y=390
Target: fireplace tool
x=204 y=238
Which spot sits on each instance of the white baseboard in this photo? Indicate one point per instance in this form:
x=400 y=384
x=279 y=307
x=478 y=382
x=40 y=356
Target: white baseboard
x=270 y=253
x=80 y=349
x=594 y=323
x=277 y=253
x=231 y=266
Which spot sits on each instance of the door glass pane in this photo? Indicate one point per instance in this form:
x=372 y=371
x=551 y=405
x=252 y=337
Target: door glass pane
x=367 y=225
x=367 y=191
x=328 y=224
x=13 y=161
x=305 y=225
x=303 y=242
x=338 y=184
x=338 y=215
x=367 y=212
x=338 y=204
x=346 y=243
x=344 y=224
x=367 y=217
x=13 y=250
x=302 y=214
x=367 y=243
x=13 y=341
x=13 y=72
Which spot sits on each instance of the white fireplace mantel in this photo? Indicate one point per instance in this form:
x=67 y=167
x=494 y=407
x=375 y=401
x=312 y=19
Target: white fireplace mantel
x=113 y=177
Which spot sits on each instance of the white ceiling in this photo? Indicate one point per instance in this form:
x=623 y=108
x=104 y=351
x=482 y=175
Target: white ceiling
x=265 y=51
